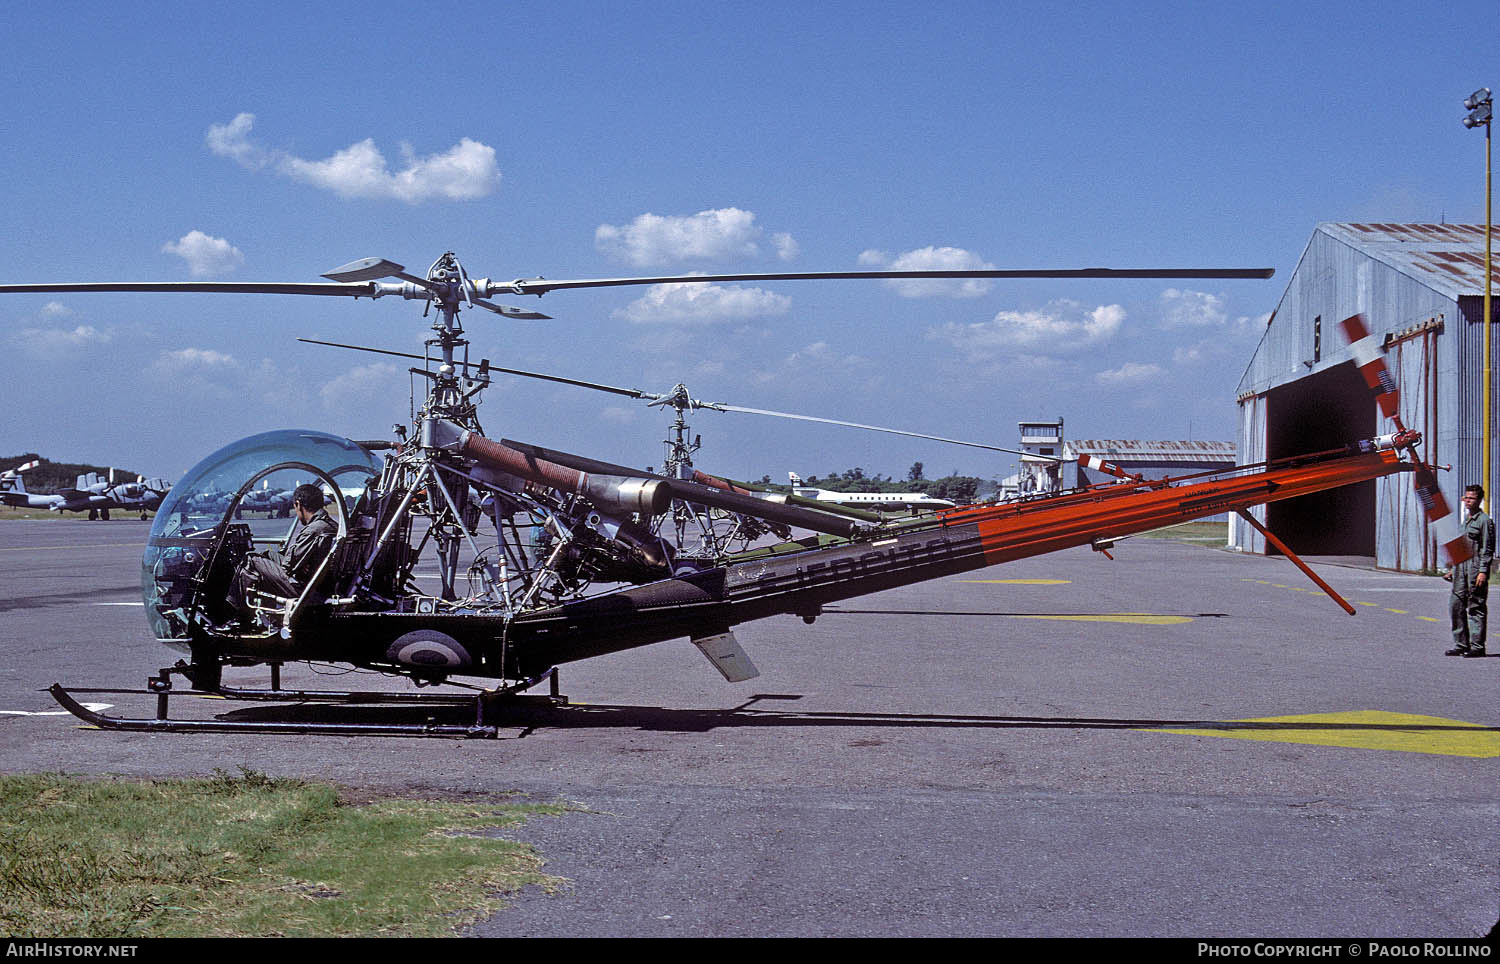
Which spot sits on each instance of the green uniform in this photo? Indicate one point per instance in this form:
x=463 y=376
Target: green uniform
x=1468 y=607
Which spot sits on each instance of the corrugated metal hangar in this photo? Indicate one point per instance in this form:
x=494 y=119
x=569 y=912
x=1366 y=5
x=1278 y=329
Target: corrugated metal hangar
x=1148 y=459
x=1049 y=462
x=1420 y=287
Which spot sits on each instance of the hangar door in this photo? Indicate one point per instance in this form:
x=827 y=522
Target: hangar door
x=1323 y=411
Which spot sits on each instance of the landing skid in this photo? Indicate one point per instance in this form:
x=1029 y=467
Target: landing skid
x=160 y=686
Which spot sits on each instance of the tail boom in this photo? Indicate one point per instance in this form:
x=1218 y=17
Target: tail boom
x=801 y=582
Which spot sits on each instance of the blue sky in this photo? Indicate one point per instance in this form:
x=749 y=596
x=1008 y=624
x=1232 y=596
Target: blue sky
x=272 y=142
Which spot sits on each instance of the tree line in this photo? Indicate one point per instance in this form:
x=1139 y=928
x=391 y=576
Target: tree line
x=48 y=477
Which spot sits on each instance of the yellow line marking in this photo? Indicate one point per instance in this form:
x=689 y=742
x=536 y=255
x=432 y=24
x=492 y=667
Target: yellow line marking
x=1357 y=603
x=1017 y=582
x=1366 y=730
x=1427 y=619
x=1146 y=619
x=1398 y=612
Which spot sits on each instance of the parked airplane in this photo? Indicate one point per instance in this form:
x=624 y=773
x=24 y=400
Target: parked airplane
x=13 y=490
x=273 y=502
x=877 y=501
x=91 y=494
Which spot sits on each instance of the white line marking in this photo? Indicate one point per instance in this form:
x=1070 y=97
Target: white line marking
x=93 y=707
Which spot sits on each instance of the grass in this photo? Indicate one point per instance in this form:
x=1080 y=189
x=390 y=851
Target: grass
x=11 y=512
x=249 y=855
x=116 y=515
x=1197 y=533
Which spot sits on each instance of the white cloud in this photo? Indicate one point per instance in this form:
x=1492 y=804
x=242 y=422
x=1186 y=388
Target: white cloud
x=206 y=257
x=822 y=363
x=618 y=414
x=702 y=302
x=58 y=341
x=1199 y=309
x=1192 y=354
x=232 y=140
x=466 y=171
x=204 y=372
x=722 y=234
x=195 y=359
x=358 y=386
x=1062 y=326
x=56 y=309
x=1195 y=309
x=1130 y=373
x=1194 y=314
x=932 y=259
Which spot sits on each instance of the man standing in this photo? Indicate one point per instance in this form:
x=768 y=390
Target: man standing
x=1468 y=606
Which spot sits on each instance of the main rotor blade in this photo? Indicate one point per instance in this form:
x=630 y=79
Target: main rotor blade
x=628 y=392
x=723 y=407
x=873 y=428
x=520 y=314
x=368 y=269
x=362 y=290
x=540 y=286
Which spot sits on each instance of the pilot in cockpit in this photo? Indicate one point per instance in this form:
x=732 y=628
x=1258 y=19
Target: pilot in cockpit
x=286 y=573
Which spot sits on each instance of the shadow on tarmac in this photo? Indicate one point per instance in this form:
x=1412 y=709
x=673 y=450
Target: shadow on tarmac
x=537 y=718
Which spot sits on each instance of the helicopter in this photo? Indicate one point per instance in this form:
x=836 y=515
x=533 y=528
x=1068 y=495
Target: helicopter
x=576 y=561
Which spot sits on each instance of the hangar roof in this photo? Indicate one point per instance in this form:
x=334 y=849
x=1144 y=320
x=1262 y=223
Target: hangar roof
x=1446 y=257
x=1138 y=450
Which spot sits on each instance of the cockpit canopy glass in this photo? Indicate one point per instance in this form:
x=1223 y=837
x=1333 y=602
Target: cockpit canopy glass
x=248 y=482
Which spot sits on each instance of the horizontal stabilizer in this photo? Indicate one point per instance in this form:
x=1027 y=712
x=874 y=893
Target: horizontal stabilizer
x=728 y=657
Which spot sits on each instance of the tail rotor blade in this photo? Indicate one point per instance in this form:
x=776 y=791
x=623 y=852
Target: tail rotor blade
x=1453 y=544
x=1368 y=355
x=1371 y=363
x=1095 y=464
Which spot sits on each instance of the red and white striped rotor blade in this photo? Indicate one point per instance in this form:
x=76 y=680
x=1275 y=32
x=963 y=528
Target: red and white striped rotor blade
x=1371 y=363
x=1453 y=544
x=1094 y=464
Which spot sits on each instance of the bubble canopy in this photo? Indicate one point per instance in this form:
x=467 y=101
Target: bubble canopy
x=252 y=477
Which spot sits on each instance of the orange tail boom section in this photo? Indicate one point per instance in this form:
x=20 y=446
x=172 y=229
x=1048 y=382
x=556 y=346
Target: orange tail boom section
x=1011 y=532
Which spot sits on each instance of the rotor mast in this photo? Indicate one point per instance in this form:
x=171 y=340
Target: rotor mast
x=679 y=457
x=449 y=289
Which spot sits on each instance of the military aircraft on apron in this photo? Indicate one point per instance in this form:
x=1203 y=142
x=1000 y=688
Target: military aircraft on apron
x=90 y=493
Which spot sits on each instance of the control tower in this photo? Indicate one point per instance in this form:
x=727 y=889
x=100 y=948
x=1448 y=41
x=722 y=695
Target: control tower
x=1042 y=443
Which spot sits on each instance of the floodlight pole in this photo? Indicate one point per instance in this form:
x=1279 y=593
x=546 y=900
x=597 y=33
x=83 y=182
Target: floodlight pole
x=1481 y=104
x=1489 y=321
